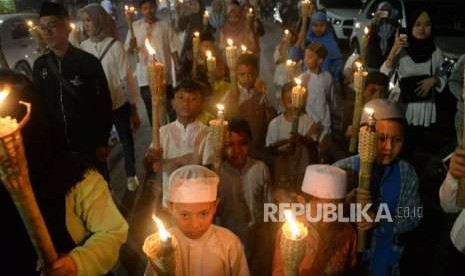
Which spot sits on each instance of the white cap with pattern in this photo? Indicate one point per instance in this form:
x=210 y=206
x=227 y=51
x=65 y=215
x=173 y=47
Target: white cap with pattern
x=193 y=184
x=325 y=181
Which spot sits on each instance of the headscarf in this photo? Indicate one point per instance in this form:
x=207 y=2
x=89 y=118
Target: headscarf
x=327 y=39
x=216 y=19
x=385 y=27
x=241 y=32
x=420 y=50
x=104 y=25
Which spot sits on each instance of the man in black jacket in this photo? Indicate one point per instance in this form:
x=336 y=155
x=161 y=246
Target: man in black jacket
x=75 y=89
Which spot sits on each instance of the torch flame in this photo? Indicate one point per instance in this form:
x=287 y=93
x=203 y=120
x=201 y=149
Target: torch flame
x=359 y=65
x=298 y=81
x=126 y=7
x=220 y=107
x=290 y=62
x=250 y=10
x=230 y=42
x=149 y=47
x=369 y=111
x=244 y=49
x=197 y=34
x=4 y=93
x=366 y=30
x=164 y=234
x=72 y=26
x=30 y=24
x=292 y=224
x=132 y=9
x=205 y=14
x=209 y=54
x=286 y=32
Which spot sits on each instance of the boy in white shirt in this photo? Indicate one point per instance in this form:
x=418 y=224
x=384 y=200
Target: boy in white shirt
x=181 y=141
x=201 y=248
x=164 y=40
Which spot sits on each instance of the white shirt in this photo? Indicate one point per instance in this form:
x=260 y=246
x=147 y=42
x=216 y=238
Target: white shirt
x=320 y=97
x=419 y=113
x=448 y=197
x=177 y=140
x=115 y=65
x=280 y=128
x=218 y=252
x=163 y=39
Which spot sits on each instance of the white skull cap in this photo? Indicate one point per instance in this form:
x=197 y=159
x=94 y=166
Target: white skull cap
x=193 y=184
x=325 y=181
x=383 y=110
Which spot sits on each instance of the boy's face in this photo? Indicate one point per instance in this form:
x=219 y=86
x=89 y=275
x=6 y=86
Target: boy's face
x=236 y=147
x=54 y=30
x=148 y=10
x=188 y=105
x=373 y=91
x=390 y=140
x=246 y=76
x=193 y=219
x=287 y=101
x=312 y=60
x=319 y=28
x=234 y=16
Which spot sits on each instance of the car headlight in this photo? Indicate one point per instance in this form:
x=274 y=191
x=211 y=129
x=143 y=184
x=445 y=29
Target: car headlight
x=337 y=22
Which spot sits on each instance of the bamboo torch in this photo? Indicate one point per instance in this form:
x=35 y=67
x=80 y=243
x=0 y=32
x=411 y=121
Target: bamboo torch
x=205 y=20
x=211 y=67
x=365 y=40
x=218 y=129
x=156 y=82
x=360 y=77
x=250 y=17
x=367 y=147
x=305 y=10
x=161 y=250
x=129 y=12
x=461 y=186
x=231 y=60
x=35 y=34
x=15 y=177
x=291 y=68
x=298 y=96
x=292 y=244
x=195 y=53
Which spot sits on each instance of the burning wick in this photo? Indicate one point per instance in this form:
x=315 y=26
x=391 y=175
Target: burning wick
x=295 y=231
x=149 y=48
x=4 y=94
x=164 y=234
x=208 y=54
x=72 y=26
x=220 y=112
x=244 y=49
x=298 y=81
x=366 y=31
x=230 y=42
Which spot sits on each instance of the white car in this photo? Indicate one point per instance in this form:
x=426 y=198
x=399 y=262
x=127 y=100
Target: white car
x=18 y=46
x=449 y=23
x=341 y=15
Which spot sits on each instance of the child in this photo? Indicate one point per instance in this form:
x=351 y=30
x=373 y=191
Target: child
x=291 y=150
x=321 y=32
x=181 y=141
x=280 y=57
x=320 y=92
x=331 y=246
x=251 y=103
x=202 y=248
x=150 y=27
x=394 y=182
x=245 y=187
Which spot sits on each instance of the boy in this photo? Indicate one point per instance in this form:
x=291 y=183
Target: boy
x=245 y=187
x=251 y=103
x=202 y=248
x=395 y=183
x=164 y=40
x=320 y=92
x=291 y=150
x=181 y=141
x=331 y=246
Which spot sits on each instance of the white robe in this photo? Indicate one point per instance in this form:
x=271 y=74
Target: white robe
x=218 y=252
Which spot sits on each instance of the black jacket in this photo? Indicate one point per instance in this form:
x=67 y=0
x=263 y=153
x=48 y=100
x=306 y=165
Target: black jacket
x=81 y=111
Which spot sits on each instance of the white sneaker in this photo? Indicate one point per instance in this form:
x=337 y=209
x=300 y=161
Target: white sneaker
x=133 y=183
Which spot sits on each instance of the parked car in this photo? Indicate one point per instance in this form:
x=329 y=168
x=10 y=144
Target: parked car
x=449 y=23
x=341 y=15
x=18 y=46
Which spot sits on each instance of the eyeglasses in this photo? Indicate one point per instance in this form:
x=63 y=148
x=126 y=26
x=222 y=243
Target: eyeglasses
x=384 y=138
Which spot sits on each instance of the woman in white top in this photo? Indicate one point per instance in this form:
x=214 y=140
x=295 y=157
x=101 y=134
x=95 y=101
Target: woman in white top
x=103 y=44
x=417 y=55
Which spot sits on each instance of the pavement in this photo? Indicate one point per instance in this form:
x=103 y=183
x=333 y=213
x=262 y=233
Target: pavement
x=138 y=206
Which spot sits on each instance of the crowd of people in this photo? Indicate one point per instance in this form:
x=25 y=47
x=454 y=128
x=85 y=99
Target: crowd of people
x=271 y=153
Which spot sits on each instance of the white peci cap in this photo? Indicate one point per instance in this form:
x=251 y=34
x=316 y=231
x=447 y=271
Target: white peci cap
x=193 y=184
x=325 y=181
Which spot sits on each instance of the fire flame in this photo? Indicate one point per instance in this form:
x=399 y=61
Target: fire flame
x=298 y=81
x=286 y=32
x=209 y=54
x=220 y=107
x=358 y=64
x=30 y=24
x=366 y=30
x=205 y=14
x=4 y=93
x=290 y=62
x=244 y=49
x=126 y=7
x=230 y=42
x=149 y=47
x=250 y=10
x=72 y=26
x=295 y=231
x=369 y=111
x=164 y=234
x=197 y=34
